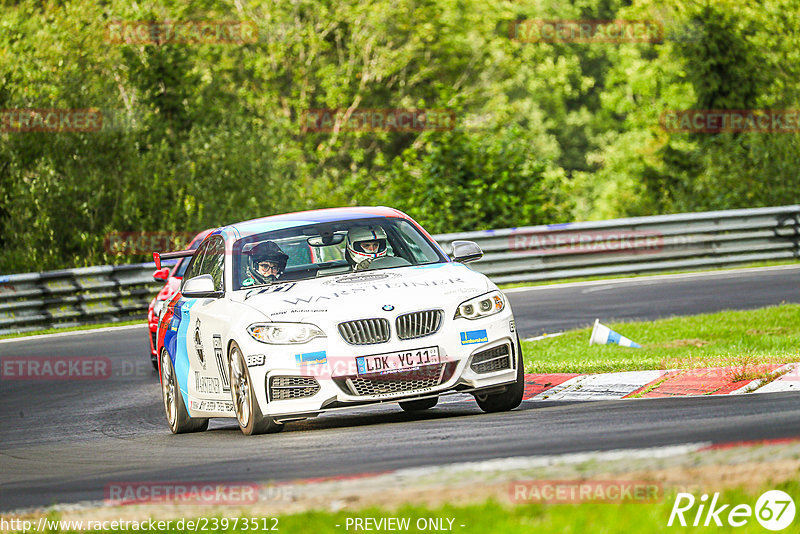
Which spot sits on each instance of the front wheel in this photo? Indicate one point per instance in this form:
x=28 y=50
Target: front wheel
x=248 y=413
x=511 y=397
x=177 y=416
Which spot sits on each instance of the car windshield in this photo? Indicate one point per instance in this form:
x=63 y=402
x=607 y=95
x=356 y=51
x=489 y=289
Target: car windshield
x=319 y=250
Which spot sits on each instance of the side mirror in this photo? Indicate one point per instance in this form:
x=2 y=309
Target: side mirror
x=200 y=287
x=161 y=274
x=466 y=251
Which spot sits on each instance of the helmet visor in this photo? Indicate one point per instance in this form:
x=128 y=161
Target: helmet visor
x=372 y=246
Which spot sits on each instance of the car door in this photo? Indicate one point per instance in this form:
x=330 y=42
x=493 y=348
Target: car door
x=209 y=383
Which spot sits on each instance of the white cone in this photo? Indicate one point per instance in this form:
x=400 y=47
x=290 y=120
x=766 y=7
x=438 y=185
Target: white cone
x=603 y=335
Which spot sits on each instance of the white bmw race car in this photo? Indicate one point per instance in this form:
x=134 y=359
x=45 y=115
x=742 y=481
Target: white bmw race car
x=283 y=318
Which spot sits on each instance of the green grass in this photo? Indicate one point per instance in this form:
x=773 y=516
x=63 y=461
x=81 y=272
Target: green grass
x=578 y=518
x=75 y=328
x=641 y=275
x=496 y=518
x=731 y=338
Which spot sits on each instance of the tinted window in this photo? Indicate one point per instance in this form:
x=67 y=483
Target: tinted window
x=183 y=263
x=181 y=268
x=214 y=261
x=418 y=246
x=195 y=265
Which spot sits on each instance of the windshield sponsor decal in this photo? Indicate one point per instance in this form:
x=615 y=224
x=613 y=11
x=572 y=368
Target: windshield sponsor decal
x=474 y=336
x=311 y=358
x=375 y=287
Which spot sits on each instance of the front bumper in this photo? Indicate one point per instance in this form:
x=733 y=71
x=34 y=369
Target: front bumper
x=301 y=381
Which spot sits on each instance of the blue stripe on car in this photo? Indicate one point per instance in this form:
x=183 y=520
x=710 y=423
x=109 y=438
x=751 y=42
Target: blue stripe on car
x=180 y=356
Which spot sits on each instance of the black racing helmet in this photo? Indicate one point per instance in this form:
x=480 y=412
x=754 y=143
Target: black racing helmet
x=266 y=251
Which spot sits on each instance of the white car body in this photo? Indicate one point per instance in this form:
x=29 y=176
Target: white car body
x=295 y=381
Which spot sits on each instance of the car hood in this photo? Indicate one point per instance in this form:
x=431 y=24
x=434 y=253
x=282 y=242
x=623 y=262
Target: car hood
x=331 y=299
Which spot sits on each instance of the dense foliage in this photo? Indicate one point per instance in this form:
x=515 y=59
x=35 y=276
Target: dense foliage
x=200 y=135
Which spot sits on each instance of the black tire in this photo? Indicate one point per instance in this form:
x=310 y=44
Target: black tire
x=154 y=361
x=245 y=405
x=419 y=405
x=512 y=396
x=177 y=417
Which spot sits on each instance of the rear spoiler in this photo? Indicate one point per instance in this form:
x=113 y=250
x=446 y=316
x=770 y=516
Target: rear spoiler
x=157 y=257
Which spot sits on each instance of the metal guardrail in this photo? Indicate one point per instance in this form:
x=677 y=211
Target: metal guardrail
x=636 y=245
x=74 y=297
x=108 y=293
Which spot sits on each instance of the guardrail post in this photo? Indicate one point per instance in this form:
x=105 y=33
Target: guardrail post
x=795 y=219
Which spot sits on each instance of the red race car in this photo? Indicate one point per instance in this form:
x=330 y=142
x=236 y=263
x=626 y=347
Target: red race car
x=172 y=281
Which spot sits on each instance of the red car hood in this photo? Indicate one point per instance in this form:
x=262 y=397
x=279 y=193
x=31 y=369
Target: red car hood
x=170 y=287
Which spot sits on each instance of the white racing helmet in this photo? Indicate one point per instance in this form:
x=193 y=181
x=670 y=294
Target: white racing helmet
x=356 y=237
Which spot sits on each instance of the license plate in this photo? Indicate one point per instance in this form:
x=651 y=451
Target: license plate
x=392 y=362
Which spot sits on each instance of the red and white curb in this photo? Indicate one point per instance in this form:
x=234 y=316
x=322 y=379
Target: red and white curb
x=667 y=383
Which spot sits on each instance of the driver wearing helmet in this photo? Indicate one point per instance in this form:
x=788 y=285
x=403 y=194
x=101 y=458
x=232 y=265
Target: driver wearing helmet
x=365 y=245
x=265 y=264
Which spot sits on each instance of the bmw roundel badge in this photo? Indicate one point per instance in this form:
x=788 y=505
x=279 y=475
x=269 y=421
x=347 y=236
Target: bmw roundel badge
x=387 y=307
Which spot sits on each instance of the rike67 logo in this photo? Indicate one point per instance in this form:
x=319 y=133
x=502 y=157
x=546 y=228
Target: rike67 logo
x=774 y=510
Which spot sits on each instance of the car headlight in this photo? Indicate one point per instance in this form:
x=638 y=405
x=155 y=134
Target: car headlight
x=284 y=333
x=158 y=307
x=483 y=306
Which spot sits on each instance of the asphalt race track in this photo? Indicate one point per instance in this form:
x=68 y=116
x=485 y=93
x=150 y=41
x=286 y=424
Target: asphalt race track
x=548 y=309
x=63 y=441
